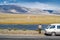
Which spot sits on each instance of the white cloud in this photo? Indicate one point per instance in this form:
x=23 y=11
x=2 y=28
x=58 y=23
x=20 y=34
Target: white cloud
x=39 y=5
x=5 y=2
x=36 y=5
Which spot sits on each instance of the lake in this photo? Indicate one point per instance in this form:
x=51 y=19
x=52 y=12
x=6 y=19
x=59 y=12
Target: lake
x=21 y=26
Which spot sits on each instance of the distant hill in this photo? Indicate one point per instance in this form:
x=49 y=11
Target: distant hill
x=53 y=11
x=50 y=11
x=12 y=9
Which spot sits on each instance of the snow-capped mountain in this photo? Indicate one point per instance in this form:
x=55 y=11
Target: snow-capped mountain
x=56 y=12
x=19 y=9
x=12 y=9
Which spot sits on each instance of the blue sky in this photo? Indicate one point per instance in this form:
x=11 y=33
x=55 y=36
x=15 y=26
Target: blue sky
x=42 y=4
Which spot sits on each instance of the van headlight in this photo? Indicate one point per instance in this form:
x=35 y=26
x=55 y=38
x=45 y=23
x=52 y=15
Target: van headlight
x=45 y=30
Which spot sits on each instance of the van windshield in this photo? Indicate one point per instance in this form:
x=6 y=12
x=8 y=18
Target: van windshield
x=48 y=26
x=51 y=26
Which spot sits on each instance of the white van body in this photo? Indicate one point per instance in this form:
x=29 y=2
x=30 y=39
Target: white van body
x=53 y=29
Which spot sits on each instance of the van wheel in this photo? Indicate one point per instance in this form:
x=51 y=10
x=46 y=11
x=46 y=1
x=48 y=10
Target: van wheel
x=53 y=34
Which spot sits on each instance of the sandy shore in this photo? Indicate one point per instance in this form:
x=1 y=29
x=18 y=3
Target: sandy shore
x=20 y=32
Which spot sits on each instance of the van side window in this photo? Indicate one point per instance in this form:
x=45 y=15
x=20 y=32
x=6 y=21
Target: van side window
x=58 y=27
x=52 y=26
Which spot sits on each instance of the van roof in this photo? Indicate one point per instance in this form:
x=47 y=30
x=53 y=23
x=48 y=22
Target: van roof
x=55 y=24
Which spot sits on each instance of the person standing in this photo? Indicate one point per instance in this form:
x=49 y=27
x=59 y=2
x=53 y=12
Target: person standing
x=39 y=28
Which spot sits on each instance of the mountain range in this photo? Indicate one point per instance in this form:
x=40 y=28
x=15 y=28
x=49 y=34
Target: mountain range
x=23 y=10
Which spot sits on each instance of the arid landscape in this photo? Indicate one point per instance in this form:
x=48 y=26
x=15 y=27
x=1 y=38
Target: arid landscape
x=21 y=32
x=6 y=18
x=28 y=19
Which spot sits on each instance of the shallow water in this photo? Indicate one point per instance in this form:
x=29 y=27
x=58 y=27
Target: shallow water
x=21 y=26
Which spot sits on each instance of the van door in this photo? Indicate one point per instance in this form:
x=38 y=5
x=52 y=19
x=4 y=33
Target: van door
x=52 y=28
x=58 y=29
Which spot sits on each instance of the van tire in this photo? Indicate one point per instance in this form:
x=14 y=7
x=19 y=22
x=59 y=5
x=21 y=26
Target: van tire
x=53 y=34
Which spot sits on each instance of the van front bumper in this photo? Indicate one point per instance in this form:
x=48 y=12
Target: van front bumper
x=47 y=32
